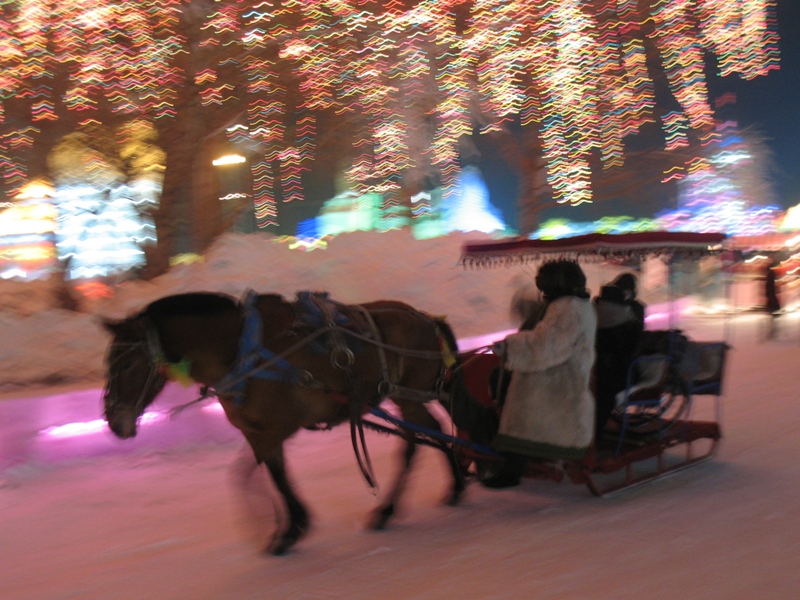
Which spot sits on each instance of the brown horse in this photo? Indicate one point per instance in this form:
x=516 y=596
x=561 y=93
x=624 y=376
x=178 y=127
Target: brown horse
x=278 y=366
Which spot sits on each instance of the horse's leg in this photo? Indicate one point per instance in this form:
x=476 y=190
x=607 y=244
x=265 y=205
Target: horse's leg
x=268 y=449
x=383 y=513
x=416 y=412
x=298 y=515
x=456 y=470
x=269 y=415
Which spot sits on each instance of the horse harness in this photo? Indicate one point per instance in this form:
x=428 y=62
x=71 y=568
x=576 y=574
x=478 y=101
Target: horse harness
x=325 y=316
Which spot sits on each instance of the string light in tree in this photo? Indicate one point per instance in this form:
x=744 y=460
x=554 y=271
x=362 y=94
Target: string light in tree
x=675 y=128
x=408 y=74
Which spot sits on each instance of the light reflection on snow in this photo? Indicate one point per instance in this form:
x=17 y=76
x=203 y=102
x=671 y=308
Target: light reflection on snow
x=69 y=430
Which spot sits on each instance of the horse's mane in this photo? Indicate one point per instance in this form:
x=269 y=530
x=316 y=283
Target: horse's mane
x=195 y=304
x=448 y=334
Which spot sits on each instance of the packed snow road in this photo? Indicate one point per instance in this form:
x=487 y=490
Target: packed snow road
x=169 y=515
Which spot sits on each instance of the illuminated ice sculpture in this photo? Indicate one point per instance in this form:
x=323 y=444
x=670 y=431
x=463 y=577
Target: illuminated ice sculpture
x=468 y=208
x=101 y=232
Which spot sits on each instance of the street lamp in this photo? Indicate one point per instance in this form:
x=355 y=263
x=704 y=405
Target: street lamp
x=230 y=188
x=228 y=159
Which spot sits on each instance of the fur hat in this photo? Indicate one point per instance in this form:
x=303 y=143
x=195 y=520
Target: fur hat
x=558 y=278
x=626 y=282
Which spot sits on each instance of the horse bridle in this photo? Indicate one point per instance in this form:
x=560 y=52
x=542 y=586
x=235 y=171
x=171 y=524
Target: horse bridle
x=152 y=349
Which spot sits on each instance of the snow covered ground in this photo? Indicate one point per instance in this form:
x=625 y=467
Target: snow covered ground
x=94 y=517
x=167 y=515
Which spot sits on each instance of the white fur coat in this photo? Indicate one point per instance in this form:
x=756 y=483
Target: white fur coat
x=549 y=409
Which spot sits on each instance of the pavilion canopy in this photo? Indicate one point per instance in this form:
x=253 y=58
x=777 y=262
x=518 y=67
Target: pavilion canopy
x=768 y=242
x=593 y=245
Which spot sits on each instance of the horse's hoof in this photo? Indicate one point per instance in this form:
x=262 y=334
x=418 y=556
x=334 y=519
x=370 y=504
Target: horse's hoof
x=279 y=547
x=381 y=517
x=454 y=499
x=282 y=543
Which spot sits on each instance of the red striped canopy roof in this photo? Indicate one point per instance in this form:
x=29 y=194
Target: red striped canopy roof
x=598 y=245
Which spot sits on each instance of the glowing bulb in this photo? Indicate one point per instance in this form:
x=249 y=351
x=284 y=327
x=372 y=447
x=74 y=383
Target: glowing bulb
x=228 y=159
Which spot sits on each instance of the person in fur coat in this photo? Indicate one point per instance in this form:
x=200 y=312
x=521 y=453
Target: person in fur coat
x=549 y=410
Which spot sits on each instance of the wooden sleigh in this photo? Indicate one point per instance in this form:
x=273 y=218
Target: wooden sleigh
x=663 y=423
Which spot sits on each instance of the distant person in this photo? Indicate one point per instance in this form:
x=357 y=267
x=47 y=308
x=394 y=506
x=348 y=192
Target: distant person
x=772 y=303
x=620 y=323
x=549 y=409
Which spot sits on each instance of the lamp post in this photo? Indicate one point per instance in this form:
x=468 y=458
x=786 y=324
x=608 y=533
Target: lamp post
x=230 y=191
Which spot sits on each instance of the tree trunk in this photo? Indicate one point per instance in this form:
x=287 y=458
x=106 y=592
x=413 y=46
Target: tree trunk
x=534 y=192
x=180 y=141
x=206 y=210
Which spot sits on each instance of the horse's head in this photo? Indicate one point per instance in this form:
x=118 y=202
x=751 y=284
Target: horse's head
x=134 y=378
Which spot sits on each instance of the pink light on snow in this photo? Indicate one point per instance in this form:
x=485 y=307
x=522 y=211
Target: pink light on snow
x=480 y=341
x=69 y=430
x=656 y=316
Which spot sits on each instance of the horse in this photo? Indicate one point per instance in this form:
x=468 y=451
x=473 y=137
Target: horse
x=278 y=366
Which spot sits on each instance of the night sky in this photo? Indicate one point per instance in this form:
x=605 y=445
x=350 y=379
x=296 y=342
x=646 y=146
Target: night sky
x=769 y=105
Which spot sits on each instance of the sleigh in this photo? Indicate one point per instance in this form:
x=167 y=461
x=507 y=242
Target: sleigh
x=668 y=417
x=652 y=432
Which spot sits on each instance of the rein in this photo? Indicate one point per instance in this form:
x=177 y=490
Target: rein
x=263 y=369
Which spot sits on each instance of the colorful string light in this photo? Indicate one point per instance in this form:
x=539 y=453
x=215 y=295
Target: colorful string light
x=408 y=77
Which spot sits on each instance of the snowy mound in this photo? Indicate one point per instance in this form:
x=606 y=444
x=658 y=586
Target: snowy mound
x=355 y=267
x=45 y=345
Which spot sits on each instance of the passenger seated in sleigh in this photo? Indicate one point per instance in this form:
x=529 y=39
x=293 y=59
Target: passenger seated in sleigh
x=549 y=409
x=620 y=323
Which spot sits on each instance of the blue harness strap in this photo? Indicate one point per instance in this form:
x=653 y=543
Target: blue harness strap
x=249 y=354
x=311 y=311
x=318 y=310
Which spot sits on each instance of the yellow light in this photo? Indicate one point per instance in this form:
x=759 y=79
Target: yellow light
x=35 y=190
x=228 y=159
x=791 y=222
x=29 y=253
x=308 y=245
x=28 y=219
x=185 y=259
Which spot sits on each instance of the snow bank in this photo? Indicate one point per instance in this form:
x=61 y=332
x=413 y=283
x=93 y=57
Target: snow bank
x=42 y=345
